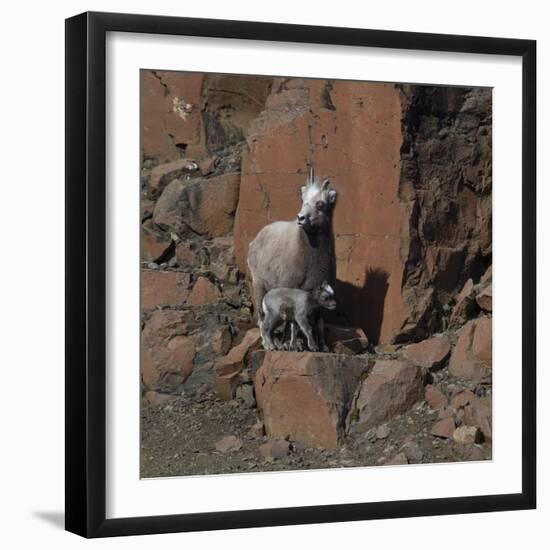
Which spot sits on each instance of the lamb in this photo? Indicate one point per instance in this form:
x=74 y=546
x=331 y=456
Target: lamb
x=299 y=307
x=297 y=254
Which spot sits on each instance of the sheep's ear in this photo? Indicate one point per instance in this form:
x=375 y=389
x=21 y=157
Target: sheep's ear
x=331 y=195
x=303 y=189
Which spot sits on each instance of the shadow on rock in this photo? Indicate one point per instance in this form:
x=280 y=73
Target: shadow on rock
x=362 y=306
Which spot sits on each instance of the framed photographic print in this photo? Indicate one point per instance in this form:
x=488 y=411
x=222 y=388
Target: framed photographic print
x=300 y=274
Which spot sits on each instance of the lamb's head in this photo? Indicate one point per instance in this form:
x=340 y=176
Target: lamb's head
x=318 y=199
x=325 y=296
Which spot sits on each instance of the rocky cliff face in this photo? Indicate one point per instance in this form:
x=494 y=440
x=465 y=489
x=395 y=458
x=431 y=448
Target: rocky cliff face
x=224 y=155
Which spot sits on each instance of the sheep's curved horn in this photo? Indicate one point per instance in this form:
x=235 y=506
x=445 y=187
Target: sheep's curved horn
x=325 y=184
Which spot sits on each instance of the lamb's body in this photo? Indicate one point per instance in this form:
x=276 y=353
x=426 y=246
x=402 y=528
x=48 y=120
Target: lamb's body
x=296 y=254
x=295 y=306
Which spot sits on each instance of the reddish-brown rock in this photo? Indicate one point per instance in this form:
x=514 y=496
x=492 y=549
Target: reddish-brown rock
x=349 y=338
x=472 y=356
x=444 y=428
x=484 y=298
x=203 y=206
x=156 y=398
x=390 y=389
x=163 y=288
x=305 y=396
x=170 y=114
x=229 y=444
x=478 y=412
x=221 y=340
x=226 y=385
x=153 y=245
x=204 y=292
x=435 y=398
x=397 y=460
x=429 y=354
x=167 y=351
x=465 y=305
x=235 y=360
x=163 y=174
x=487 y=276
x=462 y=398
x=275 y=448
x=467 y=435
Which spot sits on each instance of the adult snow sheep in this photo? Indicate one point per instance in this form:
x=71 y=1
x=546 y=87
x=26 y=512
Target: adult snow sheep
x=297 y=254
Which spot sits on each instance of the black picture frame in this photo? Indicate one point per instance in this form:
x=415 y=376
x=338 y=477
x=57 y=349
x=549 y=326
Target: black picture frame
x=86 y=275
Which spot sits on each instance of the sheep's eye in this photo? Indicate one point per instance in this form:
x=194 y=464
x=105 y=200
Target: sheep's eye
x=320 y=205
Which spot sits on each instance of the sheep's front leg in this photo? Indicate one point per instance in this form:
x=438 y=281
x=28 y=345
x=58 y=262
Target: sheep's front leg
x=321 y=334
x=258 y=293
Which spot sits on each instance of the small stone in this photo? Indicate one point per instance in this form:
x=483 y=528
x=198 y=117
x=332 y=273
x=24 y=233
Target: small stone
x=446 y=412
x=444 y=428
x=413 y=452
x=226 y=385
x=383 y=431
x=467 y=435
x=298 y=447
x=485 y=298
x=257 y=429
x=229 y=443
x=275 y=448
x=461 y=399
x=156 y=398
x=435 y=398
x=245 y=392
x=399 y=458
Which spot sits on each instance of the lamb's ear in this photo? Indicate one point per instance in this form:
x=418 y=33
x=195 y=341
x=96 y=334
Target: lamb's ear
x=331 y=195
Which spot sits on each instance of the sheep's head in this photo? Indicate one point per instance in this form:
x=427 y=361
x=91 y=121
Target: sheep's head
x=325 y=296
x=318 y=199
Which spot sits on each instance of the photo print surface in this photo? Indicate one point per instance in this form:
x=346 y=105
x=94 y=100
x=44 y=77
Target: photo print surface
x=316 y=273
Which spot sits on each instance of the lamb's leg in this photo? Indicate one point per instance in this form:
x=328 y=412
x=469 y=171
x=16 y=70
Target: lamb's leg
x=307 y=329
x=293 y=335
x=321 y=334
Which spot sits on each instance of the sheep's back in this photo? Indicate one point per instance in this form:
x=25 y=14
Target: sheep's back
x=276 y=256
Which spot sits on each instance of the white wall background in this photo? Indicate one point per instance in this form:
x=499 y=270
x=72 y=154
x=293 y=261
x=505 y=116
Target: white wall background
x=32 y=254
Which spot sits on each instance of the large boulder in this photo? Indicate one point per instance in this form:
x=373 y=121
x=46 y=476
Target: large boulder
x=167 y=352
x=163 y=288
x=204 y=292
x=478 y=412
x=472 y=356
x=229 y=367
x=429 y=354
x=305 y=397
x=392 y=388
x=203 y=206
